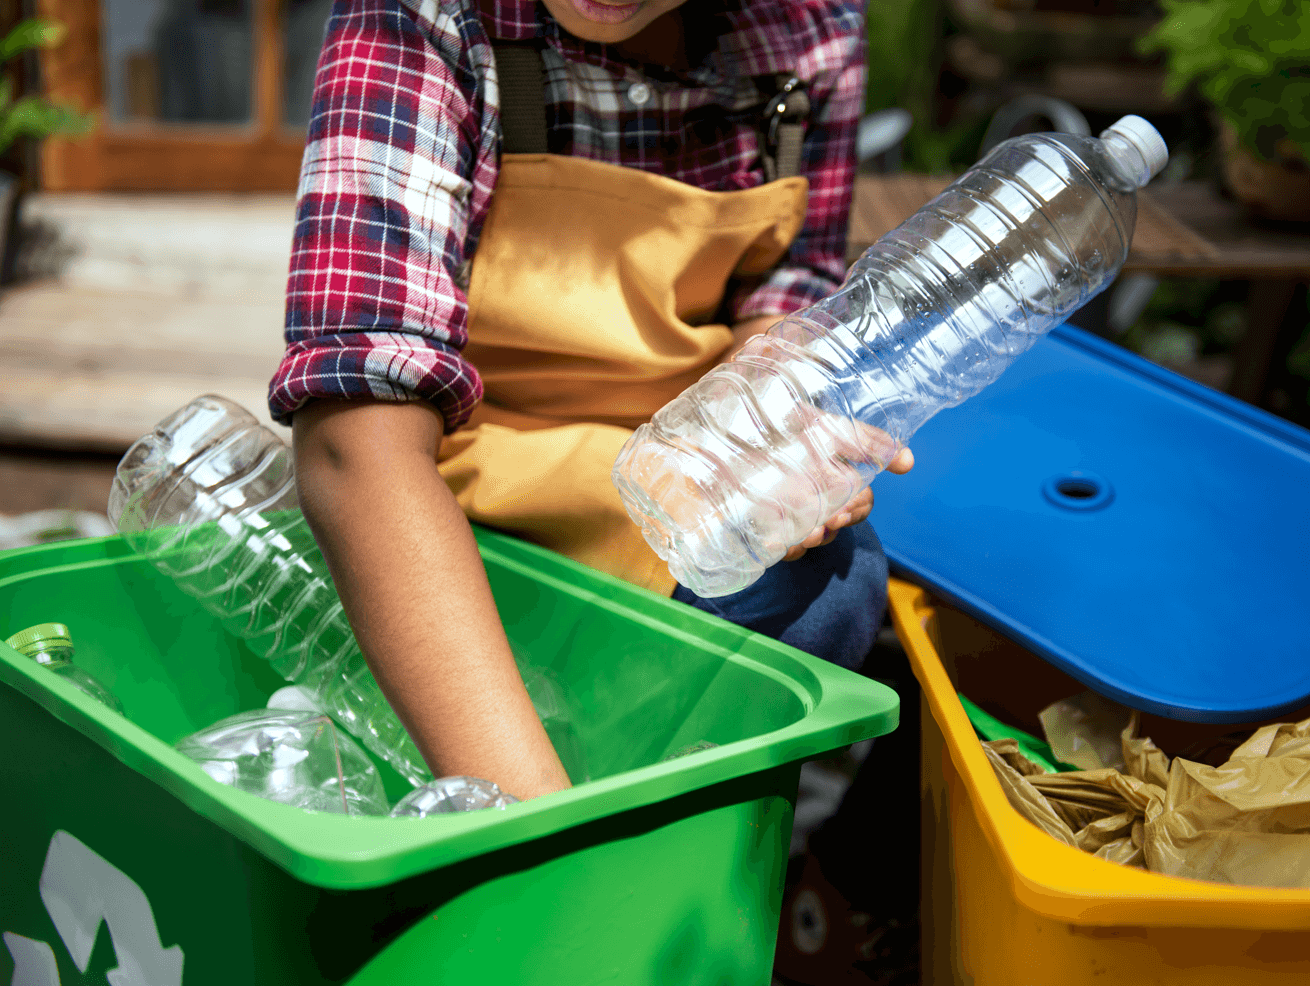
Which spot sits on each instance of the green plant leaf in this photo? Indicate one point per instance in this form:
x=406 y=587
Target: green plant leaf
x=31 y=33
x=1249 y=58
x=33 y=117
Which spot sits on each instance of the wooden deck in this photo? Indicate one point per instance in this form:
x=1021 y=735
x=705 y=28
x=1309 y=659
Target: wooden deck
x=140 y=303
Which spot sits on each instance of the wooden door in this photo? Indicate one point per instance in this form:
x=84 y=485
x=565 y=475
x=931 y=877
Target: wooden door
x=190 y=95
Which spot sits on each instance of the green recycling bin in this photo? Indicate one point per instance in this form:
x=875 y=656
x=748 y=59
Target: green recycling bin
x=122 y=862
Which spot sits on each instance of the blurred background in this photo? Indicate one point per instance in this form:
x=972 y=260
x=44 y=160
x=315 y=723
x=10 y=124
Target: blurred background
x=1214 y=287
x=145 y=261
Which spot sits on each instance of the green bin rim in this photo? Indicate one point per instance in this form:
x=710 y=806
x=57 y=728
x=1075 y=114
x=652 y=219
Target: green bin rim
x=340 y=852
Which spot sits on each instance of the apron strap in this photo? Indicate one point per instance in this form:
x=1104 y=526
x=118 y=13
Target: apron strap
x=784 y=129
x=522 y=79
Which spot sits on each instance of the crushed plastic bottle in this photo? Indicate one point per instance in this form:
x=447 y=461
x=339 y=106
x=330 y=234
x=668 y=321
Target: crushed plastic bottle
x=209 y=496
x=447 y=795
x=766 y=447
x=294 y=758
x=51 y=646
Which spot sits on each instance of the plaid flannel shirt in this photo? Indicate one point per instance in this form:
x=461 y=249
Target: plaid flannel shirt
x=403 y=154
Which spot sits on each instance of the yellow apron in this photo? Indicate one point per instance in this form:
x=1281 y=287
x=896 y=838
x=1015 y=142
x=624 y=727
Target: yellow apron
x=587 y=305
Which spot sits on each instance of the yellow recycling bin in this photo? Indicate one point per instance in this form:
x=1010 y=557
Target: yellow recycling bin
x=1004 y=904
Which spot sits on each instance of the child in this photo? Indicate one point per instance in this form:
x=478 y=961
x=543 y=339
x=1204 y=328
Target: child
x=562 y=228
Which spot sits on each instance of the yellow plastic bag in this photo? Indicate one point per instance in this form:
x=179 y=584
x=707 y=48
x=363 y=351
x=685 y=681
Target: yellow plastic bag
x=1245 y=822
x=1098 y=811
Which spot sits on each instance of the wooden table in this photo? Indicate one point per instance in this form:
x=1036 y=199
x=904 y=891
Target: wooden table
x=1183 y=230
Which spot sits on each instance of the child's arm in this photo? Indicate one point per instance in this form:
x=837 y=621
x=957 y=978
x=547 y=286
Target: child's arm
x=413 y=585
x=396 y=180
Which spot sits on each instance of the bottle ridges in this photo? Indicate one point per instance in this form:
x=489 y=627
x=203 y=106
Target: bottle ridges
x=256 y=566
x=765 y=448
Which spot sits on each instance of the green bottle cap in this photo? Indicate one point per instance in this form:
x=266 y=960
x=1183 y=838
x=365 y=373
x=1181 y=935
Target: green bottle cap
x=43 y=637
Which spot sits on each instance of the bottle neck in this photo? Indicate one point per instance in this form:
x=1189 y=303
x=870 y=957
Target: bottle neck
x=1126 y=159
x=52 y=655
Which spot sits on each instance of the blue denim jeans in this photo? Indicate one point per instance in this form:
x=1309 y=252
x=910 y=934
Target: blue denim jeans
x=828 y=603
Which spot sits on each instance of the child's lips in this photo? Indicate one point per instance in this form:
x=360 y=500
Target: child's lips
x=605 y=13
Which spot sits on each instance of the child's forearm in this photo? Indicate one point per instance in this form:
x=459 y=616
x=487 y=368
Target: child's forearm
x=412 y=583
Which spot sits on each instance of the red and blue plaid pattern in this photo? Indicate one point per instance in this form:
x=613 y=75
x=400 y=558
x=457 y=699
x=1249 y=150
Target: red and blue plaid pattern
x=403 y=154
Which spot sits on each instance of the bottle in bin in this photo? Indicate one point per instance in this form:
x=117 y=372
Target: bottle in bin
x=764 y=448
x=296 y=758
x=51 y=646
x=210 y=497
x=449 y=795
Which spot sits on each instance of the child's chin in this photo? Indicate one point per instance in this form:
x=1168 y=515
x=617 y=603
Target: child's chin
x=590 y=20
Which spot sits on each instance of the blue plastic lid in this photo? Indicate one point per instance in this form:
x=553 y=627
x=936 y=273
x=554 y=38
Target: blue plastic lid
x=1145 y=534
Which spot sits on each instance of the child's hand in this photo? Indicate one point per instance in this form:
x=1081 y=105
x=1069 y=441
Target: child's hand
x=854 y=512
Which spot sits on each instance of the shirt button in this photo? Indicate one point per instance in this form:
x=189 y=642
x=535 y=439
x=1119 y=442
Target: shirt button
x=639 y=94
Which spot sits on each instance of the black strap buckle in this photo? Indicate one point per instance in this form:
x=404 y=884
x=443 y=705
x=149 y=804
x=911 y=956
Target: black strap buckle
x=790 y=105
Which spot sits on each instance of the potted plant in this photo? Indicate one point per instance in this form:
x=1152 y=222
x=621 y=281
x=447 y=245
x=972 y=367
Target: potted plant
x=30 y=116
x=1250 y=59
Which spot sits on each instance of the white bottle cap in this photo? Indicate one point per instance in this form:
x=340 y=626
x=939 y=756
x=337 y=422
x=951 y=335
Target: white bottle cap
x=293 y=698
x=1145 y=138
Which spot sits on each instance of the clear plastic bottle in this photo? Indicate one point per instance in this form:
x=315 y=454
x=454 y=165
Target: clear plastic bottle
x=295 y=758
x=750 y=460
x=210 y=497
x=448 y=795
x=51 y=646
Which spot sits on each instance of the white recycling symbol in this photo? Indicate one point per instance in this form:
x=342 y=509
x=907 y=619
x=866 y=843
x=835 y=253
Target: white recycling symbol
x=80 y=888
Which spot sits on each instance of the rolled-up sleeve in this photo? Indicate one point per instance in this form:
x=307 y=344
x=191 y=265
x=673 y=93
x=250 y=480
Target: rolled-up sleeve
x=396 y=178
x=815 y=264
